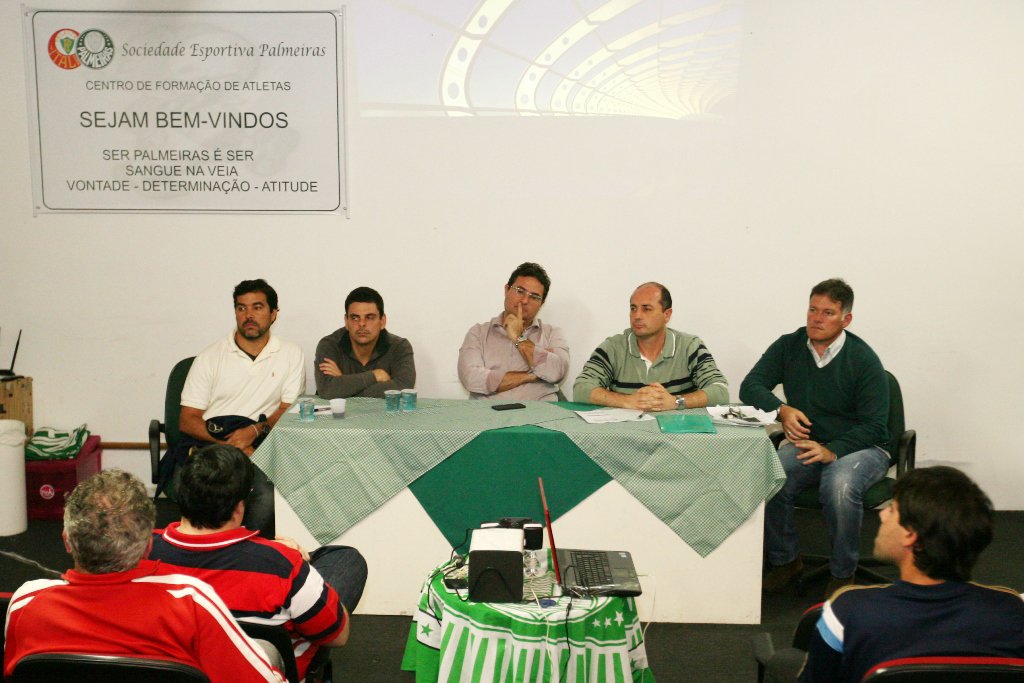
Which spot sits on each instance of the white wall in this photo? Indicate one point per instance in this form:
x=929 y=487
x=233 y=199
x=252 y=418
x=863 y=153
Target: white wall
x=877 y=141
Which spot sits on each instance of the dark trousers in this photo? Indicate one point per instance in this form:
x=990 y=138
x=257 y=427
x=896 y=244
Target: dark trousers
x=344 y=570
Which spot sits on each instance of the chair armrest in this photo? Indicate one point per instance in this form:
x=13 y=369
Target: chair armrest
x=947 y=667
x=764 y=648
x=321 y=666
x=805 y=627
x=906 y=452
x=156 y=428
x=279 y=638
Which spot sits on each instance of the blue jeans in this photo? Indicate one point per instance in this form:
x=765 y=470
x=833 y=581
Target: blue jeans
x=343 y=569
x=841 y=486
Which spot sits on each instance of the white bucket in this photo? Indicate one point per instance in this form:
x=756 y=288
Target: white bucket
x=13 y=508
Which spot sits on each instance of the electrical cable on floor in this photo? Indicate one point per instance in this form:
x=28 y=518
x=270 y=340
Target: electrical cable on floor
x=654 y=600
x=32 y=563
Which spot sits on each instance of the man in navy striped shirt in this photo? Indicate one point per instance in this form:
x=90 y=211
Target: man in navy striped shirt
x=936 y=527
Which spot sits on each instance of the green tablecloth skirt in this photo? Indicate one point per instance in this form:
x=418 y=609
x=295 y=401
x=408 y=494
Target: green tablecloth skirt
x=452 y=640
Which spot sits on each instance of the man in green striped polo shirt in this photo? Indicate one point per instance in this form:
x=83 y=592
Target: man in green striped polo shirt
x=651 y=366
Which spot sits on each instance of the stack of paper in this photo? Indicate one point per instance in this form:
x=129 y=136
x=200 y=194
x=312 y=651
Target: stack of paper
x=605 y=415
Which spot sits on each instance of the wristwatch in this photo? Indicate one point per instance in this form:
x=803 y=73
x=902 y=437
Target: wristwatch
x=519 y=341
x=681 y=403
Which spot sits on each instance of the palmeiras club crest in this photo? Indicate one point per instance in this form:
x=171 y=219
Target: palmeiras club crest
x=70 y=49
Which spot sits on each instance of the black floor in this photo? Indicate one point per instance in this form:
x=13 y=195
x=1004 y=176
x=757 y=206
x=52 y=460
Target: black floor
x=693 y=652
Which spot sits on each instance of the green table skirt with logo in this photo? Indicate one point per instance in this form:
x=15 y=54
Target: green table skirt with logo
x=452 y=640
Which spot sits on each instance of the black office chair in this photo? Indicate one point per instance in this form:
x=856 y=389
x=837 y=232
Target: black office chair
x=259 y=506
x=932 y=669
x=764 y=648
x=320 y=669
x=81 y=668
x=947 y=669
x=172 y=411
x=903 y=449
x=5 y=602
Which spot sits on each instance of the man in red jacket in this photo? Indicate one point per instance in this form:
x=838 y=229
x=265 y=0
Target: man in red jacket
x=114 y=602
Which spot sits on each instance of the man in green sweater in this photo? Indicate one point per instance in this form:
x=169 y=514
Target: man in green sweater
x=835 y=419
x=650 y=366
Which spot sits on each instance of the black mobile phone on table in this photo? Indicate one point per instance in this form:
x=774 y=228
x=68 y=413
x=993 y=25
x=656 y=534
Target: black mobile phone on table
x=508 y=406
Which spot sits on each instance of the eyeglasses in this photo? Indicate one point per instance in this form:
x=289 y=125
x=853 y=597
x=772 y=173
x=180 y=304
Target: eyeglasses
x=533 y=297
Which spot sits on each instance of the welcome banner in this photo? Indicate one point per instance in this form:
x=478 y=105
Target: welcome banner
x=186 y=111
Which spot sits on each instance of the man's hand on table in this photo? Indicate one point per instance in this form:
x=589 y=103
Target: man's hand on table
x=654 y=398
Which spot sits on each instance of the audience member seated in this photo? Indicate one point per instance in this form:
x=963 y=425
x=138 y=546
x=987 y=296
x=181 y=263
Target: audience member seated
x=267 y=582
x=651 y=366
x=116 y=603
x=937 y=525
x=363 y=358
x=515 y=356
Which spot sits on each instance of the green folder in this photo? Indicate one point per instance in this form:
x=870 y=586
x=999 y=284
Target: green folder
x=679 y=423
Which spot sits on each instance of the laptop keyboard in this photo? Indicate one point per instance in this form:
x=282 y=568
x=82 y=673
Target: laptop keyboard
x=591 y=568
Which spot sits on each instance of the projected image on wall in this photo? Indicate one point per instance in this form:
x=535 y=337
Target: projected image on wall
x=672 y=59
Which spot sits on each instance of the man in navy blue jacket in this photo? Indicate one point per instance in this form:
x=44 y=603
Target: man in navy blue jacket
x=936 y=527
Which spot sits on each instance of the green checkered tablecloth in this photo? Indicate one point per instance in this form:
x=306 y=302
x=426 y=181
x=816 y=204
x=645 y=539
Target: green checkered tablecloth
x=702 y=485
x=334 y=473
x=599 y=640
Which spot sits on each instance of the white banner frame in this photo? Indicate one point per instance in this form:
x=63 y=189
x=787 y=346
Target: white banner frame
x=186 y=112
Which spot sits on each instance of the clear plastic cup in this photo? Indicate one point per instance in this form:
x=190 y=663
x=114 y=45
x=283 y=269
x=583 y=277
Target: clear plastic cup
x=408 y=400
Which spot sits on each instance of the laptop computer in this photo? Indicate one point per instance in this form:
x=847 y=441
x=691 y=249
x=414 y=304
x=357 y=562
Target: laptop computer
x=598 y=572
x=591 y=572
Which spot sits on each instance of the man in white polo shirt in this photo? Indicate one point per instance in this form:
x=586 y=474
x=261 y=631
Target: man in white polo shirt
x=239 y=386
x=250 y=374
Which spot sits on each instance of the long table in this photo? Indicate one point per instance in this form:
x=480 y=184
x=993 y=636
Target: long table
x=405 y=488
